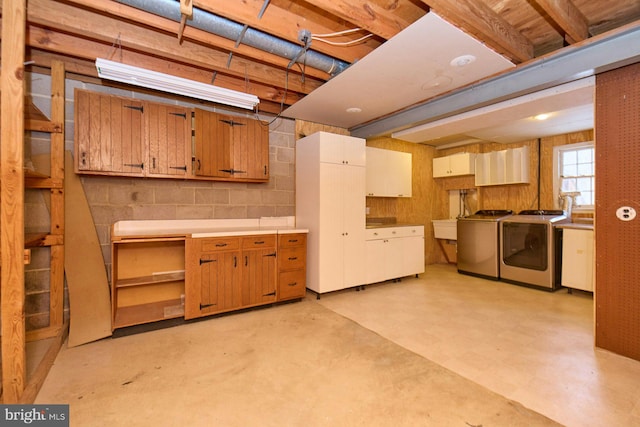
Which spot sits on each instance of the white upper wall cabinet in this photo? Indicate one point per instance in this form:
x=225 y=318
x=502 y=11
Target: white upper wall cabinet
x=503 y=167
x=454 y=165
x=388 y=173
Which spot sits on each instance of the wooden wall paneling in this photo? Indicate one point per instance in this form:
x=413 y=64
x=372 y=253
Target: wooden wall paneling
x=12 y=200
x=617 y=293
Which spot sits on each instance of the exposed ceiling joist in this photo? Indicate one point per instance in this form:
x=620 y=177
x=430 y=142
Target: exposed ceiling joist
x=480 y=20
x=568 y=17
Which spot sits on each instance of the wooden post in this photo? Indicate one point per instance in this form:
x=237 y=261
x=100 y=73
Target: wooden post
x=12 y=199
x=56 y=287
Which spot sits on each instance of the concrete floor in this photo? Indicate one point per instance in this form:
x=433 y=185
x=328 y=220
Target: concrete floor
x=363 y=358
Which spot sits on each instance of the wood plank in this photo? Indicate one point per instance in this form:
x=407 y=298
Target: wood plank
x=285 y=19
x=65 y=44
x=365 y=14
x=145 y=313
x=59 y=16
x=89 y=299
x=40 y=374
x=56 y=272
x=12 y=291
x=481 y=21
x=136 y=15
x=568 y=17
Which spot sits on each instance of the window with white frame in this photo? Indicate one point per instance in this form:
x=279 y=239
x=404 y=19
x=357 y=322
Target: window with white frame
x=575 y=172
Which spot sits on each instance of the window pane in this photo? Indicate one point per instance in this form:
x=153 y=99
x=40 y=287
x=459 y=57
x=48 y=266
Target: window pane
x=569 y=158
x=568 y=184
x=585 y=156
x=584 y=184
x=585 y=169
x=570 y=170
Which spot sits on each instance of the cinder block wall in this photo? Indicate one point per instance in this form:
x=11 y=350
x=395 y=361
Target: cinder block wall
x=113 y=199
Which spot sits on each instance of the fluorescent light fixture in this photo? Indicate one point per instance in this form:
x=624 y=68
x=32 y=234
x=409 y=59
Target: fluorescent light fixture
x=177 y=85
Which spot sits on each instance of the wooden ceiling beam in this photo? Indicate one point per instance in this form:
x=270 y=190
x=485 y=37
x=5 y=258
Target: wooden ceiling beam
x=43 y=41
x=478 y=19
x=568 y=17
x=169 y=26
x=286 y=23
x=86 y=24
x=365 y=14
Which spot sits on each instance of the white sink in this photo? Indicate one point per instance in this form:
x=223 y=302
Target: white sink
x=445 y=228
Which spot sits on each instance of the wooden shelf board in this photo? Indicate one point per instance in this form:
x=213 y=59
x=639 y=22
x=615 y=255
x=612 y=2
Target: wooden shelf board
x=146 y=313
x=34 y=240
x=153 y=279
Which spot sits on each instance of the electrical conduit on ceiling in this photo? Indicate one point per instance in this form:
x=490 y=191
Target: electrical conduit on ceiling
x=231 y=30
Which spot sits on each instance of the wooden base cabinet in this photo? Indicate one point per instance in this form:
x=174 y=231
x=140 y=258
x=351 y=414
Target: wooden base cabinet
x=229 y=273
x=292 y=261
x=158 y=278
x=148 y=280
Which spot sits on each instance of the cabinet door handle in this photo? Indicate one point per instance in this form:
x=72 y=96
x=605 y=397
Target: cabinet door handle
x=135 y=107
x=135 y=165
x=293 y=240
x=183 y=115
x=182 y=168
x=270 y=294
x=292 y=284
x=246 y=260
x=259 y=242
x=293 y=258
x=235 y=261
x=220 y=245
x=265 y=169
x=204 y=261
x=206 y=306
x=273 y=254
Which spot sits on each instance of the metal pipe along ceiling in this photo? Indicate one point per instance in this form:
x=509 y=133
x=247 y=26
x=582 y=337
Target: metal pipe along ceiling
x=231 y=30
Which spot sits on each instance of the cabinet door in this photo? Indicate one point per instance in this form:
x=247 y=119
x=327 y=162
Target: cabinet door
x=220 y=287
x=577 y=259
x=462 y=164
x=258 y=276
x=376 y=260
x=412 y=255
x=353 y=200
x=109 y=134
x=212 y=145
x=441 y=167
x=331 y=228
x=169 y=140
x=250 y=149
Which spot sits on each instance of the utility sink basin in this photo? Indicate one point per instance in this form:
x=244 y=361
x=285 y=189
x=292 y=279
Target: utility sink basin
x=445 y=228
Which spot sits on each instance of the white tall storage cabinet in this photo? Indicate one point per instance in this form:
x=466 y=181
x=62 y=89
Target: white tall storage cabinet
x=330 y=202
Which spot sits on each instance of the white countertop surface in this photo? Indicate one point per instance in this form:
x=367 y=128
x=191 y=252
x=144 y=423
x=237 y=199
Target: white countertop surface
x=206 y=227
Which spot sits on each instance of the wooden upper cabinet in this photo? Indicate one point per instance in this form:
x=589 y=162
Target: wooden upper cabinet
x=169 y=140
x=231 y=148
x=109 y=134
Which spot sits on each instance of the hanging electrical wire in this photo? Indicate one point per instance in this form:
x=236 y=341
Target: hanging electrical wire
x=321 y=37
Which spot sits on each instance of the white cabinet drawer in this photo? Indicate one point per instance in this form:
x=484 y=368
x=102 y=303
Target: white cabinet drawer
x=393 y=232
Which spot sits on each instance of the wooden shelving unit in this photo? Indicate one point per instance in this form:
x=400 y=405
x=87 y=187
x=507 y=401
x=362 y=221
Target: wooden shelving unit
x=148 y=280
x=17 y=387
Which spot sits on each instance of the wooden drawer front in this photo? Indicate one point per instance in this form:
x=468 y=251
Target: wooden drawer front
x=257 y=242
x=292 y=284
x=292 y=258
x=220 y=244
x=287 y=240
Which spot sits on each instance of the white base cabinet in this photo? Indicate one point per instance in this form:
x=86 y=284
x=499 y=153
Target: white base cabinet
x=394 y=252
x=577 y=258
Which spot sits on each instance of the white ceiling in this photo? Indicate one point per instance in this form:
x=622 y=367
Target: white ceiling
x=569 y=108
x=412 y=66
x=418 y=64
